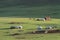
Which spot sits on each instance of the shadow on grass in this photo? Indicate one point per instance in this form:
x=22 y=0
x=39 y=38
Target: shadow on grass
x=43 y=32
x=13 y=34
x=4 y=28
x=17 y=23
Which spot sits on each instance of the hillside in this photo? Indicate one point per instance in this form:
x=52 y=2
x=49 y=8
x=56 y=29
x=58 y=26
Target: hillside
x=6 y=3
x=30 y=8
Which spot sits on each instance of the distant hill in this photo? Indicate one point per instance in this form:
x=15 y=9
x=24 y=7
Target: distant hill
x=30 y=8
x=4 y=3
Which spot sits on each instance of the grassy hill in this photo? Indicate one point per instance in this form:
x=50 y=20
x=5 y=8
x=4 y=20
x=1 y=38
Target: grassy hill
x=30 y=8
x=10 y=9
x=7 y=3
x=28 y=26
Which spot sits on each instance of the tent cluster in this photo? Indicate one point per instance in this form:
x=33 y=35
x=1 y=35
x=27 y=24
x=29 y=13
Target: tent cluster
x=48 y=29
x=40 y=29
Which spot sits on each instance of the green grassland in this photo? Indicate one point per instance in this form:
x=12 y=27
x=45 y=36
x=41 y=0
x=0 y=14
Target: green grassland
x=28 y=26
x=21 y=11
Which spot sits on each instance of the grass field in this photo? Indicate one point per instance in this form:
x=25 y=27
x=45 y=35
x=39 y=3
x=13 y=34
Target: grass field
x=22 y=13
x=28 y=26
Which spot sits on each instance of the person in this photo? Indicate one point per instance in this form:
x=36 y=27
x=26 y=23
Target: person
x=39 y=28
x=47 y=18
